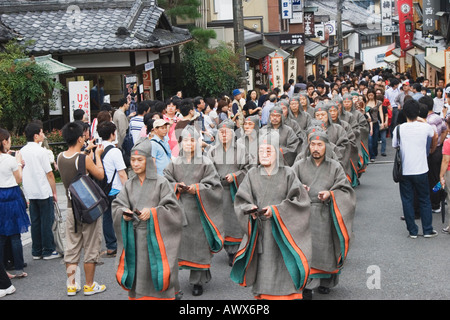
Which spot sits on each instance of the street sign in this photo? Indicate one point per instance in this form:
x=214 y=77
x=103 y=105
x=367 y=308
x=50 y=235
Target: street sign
x=292 y=39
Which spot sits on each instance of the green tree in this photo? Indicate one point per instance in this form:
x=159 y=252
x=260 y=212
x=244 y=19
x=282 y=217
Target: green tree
x=26 y=88
x=209 y=72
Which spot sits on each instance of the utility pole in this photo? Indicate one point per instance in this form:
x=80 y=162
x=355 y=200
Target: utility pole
x=239 y=43
x=339 y=36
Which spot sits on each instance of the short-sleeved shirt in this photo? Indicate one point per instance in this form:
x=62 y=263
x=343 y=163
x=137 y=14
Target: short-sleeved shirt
x=112 y=161
x=162 y=153
x=414 y=137
x=446 y=150
x=8 y=164
x=37 y=165
x=438 y=125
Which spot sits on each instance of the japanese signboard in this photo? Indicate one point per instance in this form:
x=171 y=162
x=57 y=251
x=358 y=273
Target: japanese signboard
x=405 y=17
x=292 y=69
x=290 y=39
x=258 y=75
x=429 y=15
x=331 y=26
x=79 y=98
x=277 y=72
x=308 y=24
x=386 y=17
x=430 y=71
x=286 y=9
x=297 y=5
x=297 y=17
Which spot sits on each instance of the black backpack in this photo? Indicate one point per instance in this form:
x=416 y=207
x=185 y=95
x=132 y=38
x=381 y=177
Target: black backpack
x=89 y=201
x=104 y=185
x=127 y=145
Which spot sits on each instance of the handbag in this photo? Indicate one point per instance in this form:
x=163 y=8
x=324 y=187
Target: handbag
x=397 y=171
x=59 y=230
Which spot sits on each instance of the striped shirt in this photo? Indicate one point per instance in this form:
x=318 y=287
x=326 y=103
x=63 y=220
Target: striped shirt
x=136 y=124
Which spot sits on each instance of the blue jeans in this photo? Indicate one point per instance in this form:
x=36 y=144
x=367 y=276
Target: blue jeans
x=373 y=140
x=416 y=185
x=16 y=248
x=383 y=140
x=42 y=216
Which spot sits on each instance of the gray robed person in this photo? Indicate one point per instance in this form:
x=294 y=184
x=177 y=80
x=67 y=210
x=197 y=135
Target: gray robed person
x=333 y=203
x=363 y=127
x=336 y=134
x=274 y=254
x=197 y=185
x=351 y=166
x=232 y=162
x=148 y=223
x=249 y=138
x=298 y=114
x=288 y=140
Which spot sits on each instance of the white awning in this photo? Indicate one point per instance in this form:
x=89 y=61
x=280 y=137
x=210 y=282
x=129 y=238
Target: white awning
x=391 y=58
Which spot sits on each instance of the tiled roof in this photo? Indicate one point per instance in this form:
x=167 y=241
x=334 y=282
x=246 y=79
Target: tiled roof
x=95 y=26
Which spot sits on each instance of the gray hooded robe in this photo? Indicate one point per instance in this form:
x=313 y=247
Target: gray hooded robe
x=147 y=251
x=202 y=231
x=236 y=161
x=289 y=142
x=332 y=220
x=274 y=254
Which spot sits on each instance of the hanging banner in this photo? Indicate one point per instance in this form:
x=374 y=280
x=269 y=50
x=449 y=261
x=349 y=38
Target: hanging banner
x=308 y=24
x=131 y=91
x=79 y=98
x=277 y=72
x=406 y=30
x=447 y=65
x=386 y=17
x=430 y=7
x=292 y=69
x=430 y=71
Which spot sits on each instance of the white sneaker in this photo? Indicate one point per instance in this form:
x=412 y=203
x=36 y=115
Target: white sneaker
x=96 y=288
x=6 y=291
x=54 y=255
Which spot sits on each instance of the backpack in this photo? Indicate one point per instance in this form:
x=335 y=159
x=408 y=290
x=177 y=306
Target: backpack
x=104 y=185
x=89 y=201
x=127 y=145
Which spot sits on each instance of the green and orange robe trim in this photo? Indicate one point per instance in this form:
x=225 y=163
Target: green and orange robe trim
x=294 y=259
x=353 y=176
x=213 y=235
x=234 y=186
x=363 y=159
x=344 y=240
x=159 y=264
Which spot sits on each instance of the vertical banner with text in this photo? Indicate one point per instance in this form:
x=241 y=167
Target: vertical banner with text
x=405 y=21
x=386 y=17
x=430 y=7
x=277 y=72
x=79 y=98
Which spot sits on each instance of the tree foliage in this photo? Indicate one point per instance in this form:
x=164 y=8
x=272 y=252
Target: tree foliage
x=210 y=72
x=26 y=88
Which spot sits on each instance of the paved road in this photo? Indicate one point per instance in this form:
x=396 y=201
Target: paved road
x=383 y=263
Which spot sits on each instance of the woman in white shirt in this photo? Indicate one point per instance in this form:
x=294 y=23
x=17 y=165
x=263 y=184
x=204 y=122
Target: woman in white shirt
x=13 y=216
x=438 y=102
